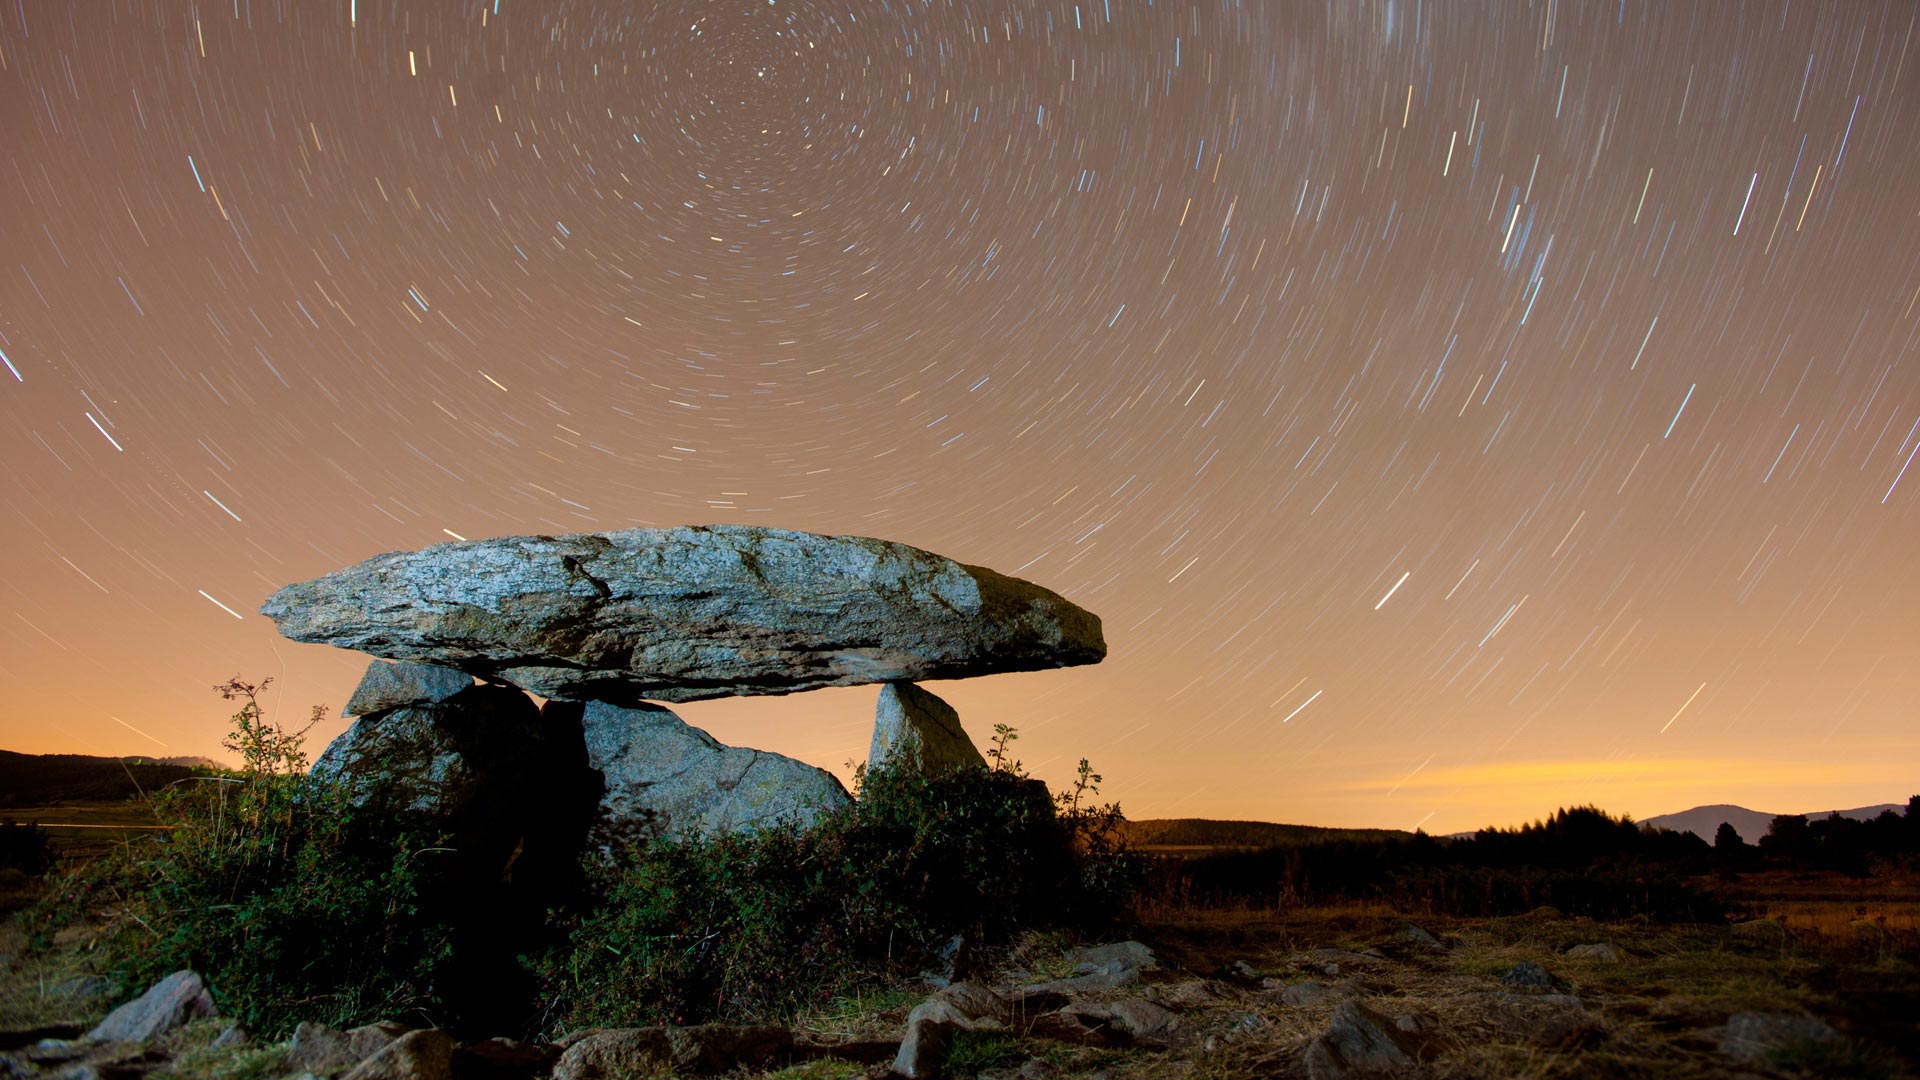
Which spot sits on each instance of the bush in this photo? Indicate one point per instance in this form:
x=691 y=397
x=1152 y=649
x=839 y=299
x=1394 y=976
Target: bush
x=768 y=922
x=290 y=901
x=25 y=848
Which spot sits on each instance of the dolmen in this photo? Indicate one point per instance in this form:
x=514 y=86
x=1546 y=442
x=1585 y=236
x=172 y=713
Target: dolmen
x=606 y=626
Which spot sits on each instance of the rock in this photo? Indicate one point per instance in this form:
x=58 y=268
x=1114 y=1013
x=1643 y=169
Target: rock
x=916 y=731
x=1418 y=936
x=1112 y=959
x=1138 y=1019
x=688 y=613
x=233 y=1036
x=1187 y=994
x=1526 y=973
x=705 y=1048
x=1306 y=995
x=1596 y=951
x=964 y=1006
x=1751 y=1036
x=1358 y=1040
x=718 y=1048
x=664 y=777
x=502 y=1059
x=438 y=760
x=317 y=1048
x=171 y=1002
x=952 y=963
x=482 y=766
x=1561 y=1021
x=1102 y=968
x=391 y=686
x=418 y=1055
x=1767 y=931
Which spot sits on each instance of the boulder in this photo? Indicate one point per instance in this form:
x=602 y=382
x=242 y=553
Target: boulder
x=439 y=760
x=1138 y=1019
x=1751 y=1036
x=418 y=1055
x=688 y=613
x=664 y=777
x=390 y=686
x=1765 y=931
x=1306 y=995
x=171 y=1002
x=1357 y=1041
x=914 y=730
x=1416 y=935
x=964 y=1006
x=325 y=1051
x=702 y=1048
x=1101 y=968
x=1529 y=975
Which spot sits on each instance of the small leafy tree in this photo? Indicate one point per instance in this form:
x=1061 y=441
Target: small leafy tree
x=1726 y=840
x=997 y=752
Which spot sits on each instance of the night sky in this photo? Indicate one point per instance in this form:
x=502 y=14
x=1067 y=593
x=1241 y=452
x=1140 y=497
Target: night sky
x=1453 y=411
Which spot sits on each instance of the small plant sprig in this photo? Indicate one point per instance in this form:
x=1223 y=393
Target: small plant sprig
x=997 y=753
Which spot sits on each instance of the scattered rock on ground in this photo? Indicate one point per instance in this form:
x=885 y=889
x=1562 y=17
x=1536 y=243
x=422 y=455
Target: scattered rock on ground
x=1358 y=1040
x=1138 y=1019
x=1418 y=936
x=1751 y=1036
x=688 y=613
x=233 y=1036
x=616 y=1053
x=964 y=1006
x=1561 y=1021
x=916 y=731
x=1598 y=950
x=1102 y=968
x=390 y=686
x=426 y=1054
x=1306 y=995
x=171 y=1002
x=1530 y=975
x=664 y=777
x=319 y=1049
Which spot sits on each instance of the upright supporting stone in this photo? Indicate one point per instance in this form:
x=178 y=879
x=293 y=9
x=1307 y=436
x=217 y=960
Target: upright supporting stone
x=914 y=730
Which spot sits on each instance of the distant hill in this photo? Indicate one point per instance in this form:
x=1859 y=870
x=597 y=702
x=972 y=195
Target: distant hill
x=1704 y=821
x=48 y=779
x=1203 y=832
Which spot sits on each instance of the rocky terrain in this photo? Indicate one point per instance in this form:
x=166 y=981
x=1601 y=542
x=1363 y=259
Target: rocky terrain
x=1317 y=995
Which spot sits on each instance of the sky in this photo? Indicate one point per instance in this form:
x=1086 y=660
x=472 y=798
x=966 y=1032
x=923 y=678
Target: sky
x=1453 y=411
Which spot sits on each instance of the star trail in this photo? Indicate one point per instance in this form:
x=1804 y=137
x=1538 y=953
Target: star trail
x=1526 y=388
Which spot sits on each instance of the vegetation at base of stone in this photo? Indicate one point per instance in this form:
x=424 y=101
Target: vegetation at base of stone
x=25 y=848
x=769 y=922
x=291 y=902
x=1583 y=861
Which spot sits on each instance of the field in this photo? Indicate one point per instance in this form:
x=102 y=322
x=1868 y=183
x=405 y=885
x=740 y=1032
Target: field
x=1252 y=992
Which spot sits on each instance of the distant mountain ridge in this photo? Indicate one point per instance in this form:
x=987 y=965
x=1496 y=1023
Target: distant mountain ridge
x=1704 y=821
x=46 y=779
x=1207 y=832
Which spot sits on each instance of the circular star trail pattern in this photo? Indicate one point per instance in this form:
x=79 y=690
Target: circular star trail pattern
x=1452 y=410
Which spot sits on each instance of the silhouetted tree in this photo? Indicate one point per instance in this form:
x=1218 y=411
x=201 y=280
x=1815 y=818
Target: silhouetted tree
x=1726 y=840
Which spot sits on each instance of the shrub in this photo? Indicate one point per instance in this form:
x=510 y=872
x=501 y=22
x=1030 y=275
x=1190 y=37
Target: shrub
x=772 y=921
x=293 y=903
x=25 y=848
